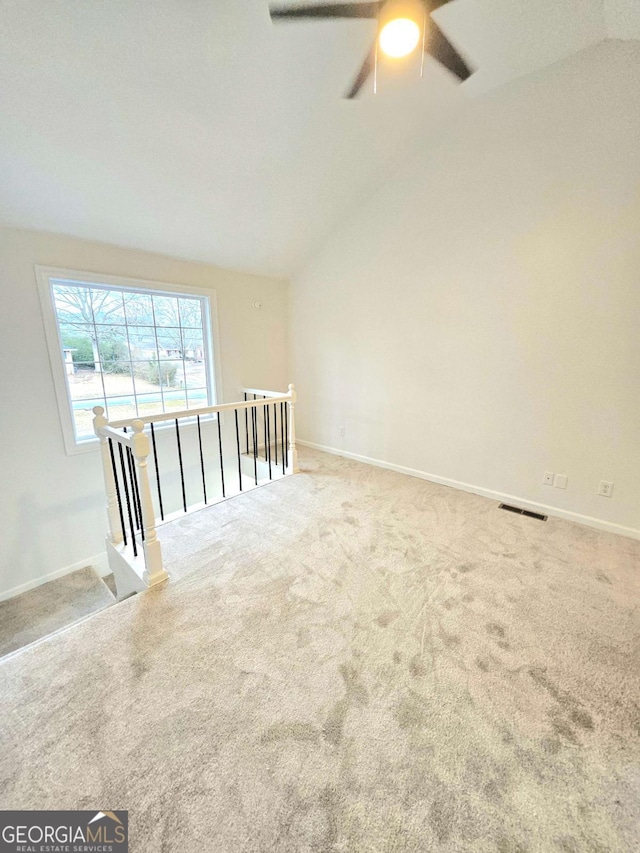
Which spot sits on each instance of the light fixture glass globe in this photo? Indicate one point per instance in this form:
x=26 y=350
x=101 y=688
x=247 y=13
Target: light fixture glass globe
x=399 y=37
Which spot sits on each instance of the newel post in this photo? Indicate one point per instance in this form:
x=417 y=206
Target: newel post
x=293 y=453
x=113 y=512
x=154 y=573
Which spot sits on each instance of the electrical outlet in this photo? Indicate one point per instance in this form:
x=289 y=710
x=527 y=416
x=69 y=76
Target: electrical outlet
x=340 y=430
x=548 y=478
x=606 y=489
x=561 y=481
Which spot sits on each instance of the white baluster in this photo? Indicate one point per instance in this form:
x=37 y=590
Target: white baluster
x=154 y=572
x=293 y=453
x=113 y=514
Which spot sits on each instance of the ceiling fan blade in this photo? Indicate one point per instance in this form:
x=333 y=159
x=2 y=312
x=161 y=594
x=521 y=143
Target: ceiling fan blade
x=333 y=10
x=439 y=46
x=363 y=74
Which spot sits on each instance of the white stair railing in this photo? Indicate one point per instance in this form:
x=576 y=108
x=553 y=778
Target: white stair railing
x=292 y=451
x=133 y=548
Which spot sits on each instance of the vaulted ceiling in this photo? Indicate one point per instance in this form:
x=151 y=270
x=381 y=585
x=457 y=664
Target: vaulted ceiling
x=196 y=128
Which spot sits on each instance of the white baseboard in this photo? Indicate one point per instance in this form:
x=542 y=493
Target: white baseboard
x=98 y=562
x=557 y=512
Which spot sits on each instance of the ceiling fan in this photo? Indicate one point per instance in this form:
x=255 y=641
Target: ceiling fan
x=400 y=25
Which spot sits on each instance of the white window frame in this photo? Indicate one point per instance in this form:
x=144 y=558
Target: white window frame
x=46 y=275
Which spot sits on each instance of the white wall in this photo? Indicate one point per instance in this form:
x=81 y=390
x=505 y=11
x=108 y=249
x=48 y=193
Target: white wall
x=479 y=318
x=51 y=513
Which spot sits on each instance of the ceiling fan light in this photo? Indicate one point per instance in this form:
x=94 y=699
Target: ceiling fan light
x=399 y=37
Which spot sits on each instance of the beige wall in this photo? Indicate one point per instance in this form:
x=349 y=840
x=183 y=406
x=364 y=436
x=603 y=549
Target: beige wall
x=479 y=318
x=52 y=508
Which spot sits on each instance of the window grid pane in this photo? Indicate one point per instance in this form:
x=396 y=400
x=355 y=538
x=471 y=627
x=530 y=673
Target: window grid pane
x=132 y=352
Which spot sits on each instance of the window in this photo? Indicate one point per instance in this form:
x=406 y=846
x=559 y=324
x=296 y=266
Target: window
x=134 y=348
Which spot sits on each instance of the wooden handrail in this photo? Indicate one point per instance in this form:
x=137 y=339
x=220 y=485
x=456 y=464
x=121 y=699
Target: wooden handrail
x=206 y=410
x=263 y=393
x=116 y=435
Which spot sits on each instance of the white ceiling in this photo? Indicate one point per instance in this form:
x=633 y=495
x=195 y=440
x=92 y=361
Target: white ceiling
x=196 y=128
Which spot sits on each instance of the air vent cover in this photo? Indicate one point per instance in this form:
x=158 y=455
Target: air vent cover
x=526 y=512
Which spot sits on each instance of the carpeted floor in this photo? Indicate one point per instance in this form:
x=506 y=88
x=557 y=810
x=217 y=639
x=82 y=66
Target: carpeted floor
x=353 y=660
x=50 y=607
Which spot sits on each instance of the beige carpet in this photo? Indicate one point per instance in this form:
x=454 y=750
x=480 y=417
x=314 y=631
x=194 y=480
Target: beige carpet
x=358 y=661
x=50 y=607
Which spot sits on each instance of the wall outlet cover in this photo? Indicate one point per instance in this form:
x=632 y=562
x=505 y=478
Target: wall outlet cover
x=561 y=481
x=548 y=478
x=605 y=489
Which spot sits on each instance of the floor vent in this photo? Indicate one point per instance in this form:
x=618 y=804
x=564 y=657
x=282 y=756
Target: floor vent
x=526 y=512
